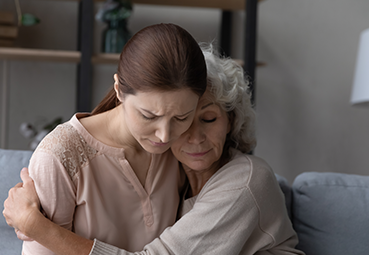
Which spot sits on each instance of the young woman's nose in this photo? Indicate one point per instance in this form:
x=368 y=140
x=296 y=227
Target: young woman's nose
x=163 y=132
x=196 y=134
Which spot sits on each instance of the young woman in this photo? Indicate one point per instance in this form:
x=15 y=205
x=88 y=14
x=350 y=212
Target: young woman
x=109 y=174
x=233 y=204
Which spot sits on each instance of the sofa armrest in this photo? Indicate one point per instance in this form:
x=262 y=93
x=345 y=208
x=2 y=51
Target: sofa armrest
x=330 y=213
x=11 y=162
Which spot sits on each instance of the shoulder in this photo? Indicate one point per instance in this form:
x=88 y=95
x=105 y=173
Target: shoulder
x=65 y=138
x=68 y=147
x=62 y=135
x=257 y=174
x=240 y=172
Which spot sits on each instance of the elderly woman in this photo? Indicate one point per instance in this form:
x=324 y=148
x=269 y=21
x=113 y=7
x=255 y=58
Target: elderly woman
x=233 y=203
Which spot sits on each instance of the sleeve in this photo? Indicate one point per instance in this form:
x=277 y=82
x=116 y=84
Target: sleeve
x=219 y=223
x=56 y=192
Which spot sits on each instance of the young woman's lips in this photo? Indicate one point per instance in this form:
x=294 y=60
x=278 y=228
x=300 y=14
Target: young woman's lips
x=197 y=154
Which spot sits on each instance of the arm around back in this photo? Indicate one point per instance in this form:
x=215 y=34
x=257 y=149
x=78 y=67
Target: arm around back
x=240 y=210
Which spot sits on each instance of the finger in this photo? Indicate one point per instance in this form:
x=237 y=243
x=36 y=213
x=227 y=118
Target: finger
x=4 y=213
x=22 y=236
x=25 y=176
x=8 y=221
x=12 y=190
x=18 y=185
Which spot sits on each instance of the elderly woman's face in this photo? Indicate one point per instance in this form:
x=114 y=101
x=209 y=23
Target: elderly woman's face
x=201 y=146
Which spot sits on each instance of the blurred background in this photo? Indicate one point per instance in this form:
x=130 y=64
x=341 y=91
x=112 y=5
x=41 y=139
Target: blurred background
x=304 y=118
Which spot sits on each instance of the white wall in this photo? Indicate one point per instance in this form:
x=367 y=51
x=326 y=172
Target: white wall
x=305 y=122
x=41 y=91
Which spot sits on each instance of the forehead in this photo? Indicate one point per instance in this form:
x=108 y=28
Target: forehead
x=208 y=103
x=161 y=102
x=206 y=99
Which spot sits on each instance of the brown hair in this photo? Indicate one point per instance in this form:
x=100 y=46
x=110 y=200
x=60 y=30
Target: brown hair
x=162 y=57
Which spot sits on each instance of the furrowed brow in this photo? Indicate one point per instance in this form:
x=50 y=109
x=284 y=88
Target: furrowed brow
x=182 y=115
x=179 y=116
x=147 y=111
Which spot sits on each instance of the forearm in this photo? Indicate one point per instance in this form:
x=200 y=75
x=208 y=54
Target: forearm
x=156 y=247
x=56 y=238
x=197 y=234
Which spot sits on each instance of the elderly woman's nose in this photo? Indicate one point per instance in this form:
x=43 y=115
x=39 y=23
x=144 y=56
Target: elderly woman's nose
x=196 y=133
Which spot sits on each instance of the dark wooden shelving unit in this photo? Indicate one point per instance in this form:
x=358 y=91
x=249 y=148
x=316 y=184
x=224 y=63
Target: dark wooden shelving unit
x=84 y=55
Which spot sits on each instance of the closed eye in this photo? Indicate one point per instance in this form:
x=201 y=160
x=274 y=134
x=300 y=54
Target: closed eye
x=181 y=120
x=148 y=118
x=209 y=121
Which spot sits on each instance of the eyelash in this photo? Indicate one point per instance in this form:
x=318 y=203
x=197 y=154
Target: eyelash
x=182 y=120
x=152 y=118
x=147 y=118
x=209 y=121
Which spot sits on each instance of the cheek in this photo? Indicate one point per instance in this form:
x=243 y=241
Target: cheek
x=221 y=135
x=177 y=146
x=144 y=129
x=179 y=128
x=137 y=125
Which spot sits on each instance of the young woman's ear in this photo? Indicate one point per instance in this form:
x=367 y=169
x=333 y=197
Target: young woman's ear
x=116 y=87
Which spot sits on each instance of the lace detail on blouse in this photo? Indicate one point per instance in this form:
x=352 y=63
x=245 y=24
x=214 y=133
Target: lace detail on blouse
x=67 y=145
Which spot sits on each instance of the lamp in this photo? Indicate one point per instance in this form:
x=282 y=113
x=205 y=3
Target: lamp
x=360 y=90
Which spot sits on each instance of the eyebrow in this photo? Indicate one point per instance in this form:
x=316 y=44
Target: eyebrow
x=207 y=105
x=182 y=115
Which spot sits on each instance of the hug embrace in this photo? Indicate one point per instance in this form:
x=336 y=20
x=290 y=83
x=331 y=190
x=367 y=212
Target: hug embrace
x=160 y=166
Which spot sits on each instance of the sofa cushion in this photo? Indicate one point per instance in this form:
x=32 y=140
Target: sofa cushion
x=11 y=162
x=330 y=213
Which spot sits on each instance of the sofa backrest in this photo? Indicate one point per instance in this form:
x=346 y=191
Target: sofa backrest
x=11 y=163
x=330 y=213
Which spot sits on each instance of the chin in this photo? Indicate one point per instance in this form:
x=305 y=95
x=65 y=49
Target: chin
x=156 y=150
x=198 y=166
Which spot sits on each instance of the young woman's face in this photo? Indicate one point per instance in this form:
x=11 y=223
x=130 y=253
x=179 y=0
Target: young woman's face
x=155 y=119
x=201 y=146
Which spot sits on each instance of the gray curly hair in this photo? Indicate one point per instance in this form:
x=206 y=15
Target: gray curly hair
x=230 y=89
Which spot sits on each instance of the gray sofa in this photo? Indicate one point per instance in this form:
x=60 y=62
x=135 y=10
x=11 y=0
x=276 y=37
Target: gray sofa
x=11 y=162
x=329 y=211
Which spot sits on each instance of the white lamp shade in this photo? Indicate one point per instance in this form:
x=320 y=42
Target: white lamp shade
x=360 y=91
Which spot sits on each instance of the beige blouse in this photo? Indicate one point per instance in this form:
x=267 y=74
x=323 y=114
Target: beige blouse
x=91 y=189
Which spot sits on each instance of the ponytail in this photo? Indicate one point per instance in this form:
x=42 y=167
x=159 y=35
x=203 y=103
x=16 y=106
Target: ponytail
x=109 y=102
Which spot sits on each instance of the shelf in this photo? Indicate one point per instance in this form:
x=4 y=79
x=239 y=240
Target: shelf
x=227 y=5
x=66 y=0
x=113 y=59
x=106 y=58
x=40 y=55
x=230 y=5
